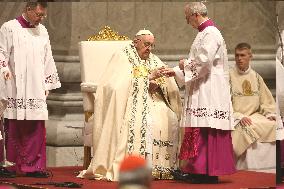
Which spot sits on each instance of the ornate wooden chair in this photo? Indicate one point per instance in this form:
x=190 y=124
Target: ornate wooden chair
x=94 y=55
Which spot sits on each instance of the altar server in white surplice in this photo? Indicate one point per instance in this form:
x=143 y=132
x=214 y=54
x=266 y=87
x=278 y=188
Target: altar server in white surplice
x=27 y=64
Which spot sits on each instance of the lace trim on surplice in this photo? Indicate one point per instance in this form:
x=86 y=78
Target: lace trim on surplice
x=52 y=79
x=31 y=104
x=206 y=112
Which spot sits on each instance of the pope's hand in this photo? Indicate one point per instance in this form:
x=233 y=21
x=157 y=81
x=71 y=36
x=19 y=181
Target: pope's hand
x=168 y=72
x=7 y=75
x=272 y=118
x=153 y=86
x=155 y=74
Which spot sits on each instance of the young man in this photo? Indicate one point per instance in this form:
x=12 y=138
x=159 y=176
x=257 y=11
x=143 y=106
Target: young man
x=254 y=113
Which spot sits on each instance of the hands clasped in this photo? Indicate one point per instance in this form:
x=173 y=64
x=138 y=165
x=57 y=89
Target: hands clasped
x=161 y=72
x=272 y=118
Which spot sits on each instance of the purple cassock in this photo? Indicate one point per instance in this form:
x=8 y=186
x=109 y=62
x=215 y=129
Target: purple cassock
x=25 y=145
x=25 y=139
x=207 y=151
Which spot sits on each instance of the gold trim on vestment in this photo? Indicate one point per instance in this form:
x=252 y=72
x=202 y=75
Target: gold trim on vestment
x=159 y=173
x=88 y=115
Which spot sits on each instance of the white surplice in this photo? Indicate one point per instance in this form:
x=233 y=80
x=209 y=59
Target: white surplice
x=26 y=52
x=207 y=91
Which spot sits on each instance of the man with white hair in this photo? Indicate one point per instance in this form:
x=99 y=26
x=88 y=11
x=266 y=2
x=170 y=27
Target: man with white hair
x=207 y=145
x=136 y=112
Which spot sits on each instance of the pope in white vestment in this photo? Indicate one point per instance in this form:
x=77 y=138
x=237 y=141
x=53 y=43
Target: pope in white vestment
x=135 y=113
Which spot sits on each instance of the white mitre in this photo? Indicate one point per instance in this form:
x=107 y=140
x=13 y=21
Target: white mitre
x=144 y=32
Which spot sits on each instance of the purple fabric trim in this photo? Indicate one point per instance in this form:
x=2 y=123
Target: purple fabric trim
x=24 y=23
x=205 y=24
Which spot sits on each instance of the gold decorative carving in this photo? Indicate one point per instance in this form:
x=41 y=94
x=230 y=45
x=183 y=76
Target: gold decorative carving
x=107 y=34
x=88 y=115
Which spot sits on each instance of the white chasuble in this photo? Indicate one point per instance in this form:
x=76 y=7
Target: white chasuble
x=128 y=120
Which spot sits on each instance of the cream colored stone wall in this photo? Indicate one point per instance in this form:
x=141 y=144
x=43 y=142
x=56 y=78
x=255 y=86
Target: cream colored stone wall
x=68 y=23
x=252 y=22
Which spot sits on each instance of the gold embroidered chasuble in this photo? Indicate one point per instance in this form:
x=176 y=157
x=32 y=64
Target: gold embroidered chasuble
x=130 y=120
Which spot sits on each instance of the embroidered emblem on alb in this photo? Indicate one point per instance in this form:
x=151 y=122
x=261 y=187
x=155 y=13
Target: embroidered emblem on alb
x=246 y=85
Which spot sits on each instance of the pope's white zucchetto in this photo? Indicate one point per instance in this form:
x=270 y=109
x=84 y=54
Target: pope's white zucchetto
x=144 y=32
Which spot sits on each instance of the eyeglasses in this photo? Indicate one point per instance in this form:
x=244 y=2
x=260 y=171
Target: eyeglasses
x=148 y=45
x=39 y=15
